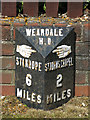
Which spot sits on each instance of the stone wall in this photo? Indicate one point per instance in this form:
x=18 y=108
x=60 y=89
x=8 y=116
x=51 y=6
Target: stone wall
x=7 y=57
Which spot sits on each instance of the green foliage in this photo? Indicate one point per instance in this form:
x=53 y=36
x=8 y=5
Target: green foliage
x=19 y=7
x=86 y=4
x=41 y=8
x=44 y=7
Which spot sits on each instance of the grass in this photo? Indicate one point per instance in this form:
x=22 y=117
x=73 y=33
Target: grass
x=77 y=107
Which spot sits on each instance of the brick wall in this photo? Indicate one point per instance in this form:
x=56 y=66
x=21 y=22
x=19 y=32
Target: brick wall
x=82 y=59
x=7 y=71
x=32 y=8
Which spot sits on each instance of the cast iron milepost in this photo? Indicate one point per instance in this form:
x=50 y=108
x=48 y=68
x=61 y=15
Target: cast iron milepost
x=45 y=66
